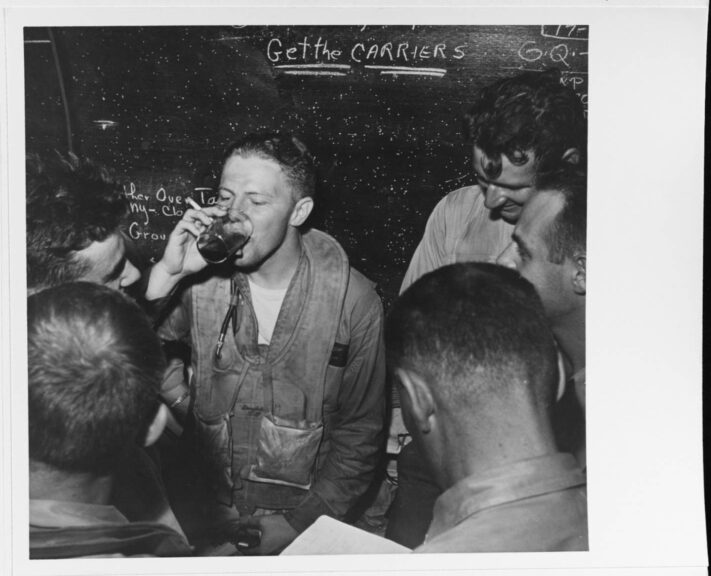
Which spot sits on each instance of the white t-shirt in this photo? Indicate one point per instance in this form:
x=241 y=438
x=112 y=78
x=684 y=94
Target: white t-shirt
x=267 y=304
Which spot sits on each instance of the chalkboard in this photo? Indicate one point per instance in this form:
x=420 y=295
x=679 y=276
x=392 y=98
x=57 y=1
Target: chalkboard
x=380 y=107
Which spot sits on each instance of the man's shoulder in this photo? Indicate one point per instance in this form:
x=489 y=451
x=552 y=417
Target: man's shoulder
x=457 y=209
x=359 y=282
x=61 y=529
x=466 y=198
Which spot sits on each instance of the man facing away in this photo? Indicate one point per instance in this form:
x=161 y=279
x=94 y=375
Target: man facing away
x=95 y=369
x=548 y=248
x=299 y=378
x=520 y=127
x=476 y=364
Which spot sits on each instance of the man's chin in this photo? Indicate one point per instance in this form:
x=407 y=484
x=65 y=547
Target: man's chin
x=510 y=215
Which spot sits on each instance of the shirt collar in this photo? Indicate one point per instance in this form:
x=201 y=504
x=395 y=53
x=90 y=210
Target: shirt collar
x=521 y=479
x=59 y=514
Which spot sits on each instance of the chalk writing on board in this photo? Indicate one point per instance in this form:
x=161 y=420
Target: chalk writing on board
x=575 y=32
x=408 y=70
x=562 y=53
x=158 y=205
x=310 y=50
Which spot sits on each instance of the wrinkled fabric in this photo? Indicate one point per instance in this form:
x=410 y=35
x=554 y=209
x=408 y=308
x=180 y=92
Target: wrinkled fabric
x=325 y=361
x=286 y=451
x=61 y=529
x=533 y=505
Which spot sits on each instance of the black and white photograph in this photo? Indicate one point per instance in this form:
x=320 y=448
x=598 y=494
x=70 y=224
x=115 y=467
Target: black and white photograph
x=307 y=293
x=337 y=167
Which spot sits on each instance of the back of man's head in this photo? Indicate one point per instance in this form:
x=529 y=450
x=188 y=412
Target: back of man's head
x=475 y=332
x=95 y=370
x=529 y=112
x=71 y=202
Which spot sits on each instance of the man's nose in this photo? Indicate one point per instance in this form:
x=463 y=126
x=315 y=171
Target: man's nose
x=494 y=196
x=237 y=205
x=130 y=275
x=508 y=257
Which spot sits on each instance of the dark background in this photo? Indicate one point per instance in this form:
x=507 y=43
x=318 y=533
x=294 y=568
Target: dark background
x=160 y=104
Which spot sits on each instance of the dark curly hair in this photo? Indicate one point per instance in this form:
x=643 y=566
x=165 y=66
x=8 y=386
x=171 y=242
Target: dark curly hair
x=529 y=112
x=71 y=202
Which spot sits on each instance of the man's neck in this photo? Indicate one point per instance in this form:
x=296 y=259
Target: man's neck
x=49 y=483
x=502 y=436
x=569 y=331
x=277 y=271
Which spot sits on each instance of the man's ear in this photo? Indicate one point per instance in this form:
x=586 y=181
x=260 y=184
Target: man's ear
x=301 y=211
x=157 y=426
x=571 y=156
x=420 y=399
x=579 y=262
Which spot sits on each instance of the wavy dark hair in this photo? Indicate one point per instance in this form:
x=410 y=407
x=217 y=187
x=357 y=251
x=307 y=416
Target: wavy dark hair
x=529 y=112
x=71 y=202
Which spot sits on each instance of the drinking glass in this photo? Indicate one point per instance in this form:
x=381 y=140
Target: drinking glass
x=224 y=237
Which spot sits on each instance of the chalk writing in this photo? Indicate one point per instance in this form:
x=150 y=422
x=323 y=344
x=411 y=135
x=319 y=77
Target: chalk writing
x=565 y=32
x=314 y=52
x=138 y=232
x=561 y=53
x=163 y=203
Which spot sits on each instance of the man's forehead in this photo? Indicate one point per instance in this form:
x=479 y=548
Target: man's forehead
x=244 y=170
x=509 y=171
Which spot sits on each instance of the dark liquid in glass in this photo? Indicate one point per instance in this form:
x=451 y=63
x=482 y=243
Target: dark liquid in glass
x=215 y=250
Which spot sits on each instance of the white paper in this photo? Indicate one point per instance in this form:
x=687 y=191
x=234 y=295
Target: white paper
x=329 y=536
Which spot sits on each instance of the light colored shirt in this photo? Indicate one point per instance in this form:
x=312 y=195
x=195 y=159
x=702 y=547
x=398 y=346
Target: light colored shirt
x=533 y=505
x=460 y=229
x=266 y=304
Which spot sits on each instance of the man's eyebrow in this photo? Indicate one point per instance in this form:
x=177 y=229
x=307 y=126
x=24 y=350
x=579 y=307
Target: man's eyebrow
x=116 y=270
x=485 y=180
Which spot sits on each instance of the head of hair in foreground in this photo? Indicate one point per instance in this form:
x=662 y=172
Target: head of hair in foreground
x=471 y=347
x=95 y=370
x=287 y=151
x=71 y=203
x=528 y=113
